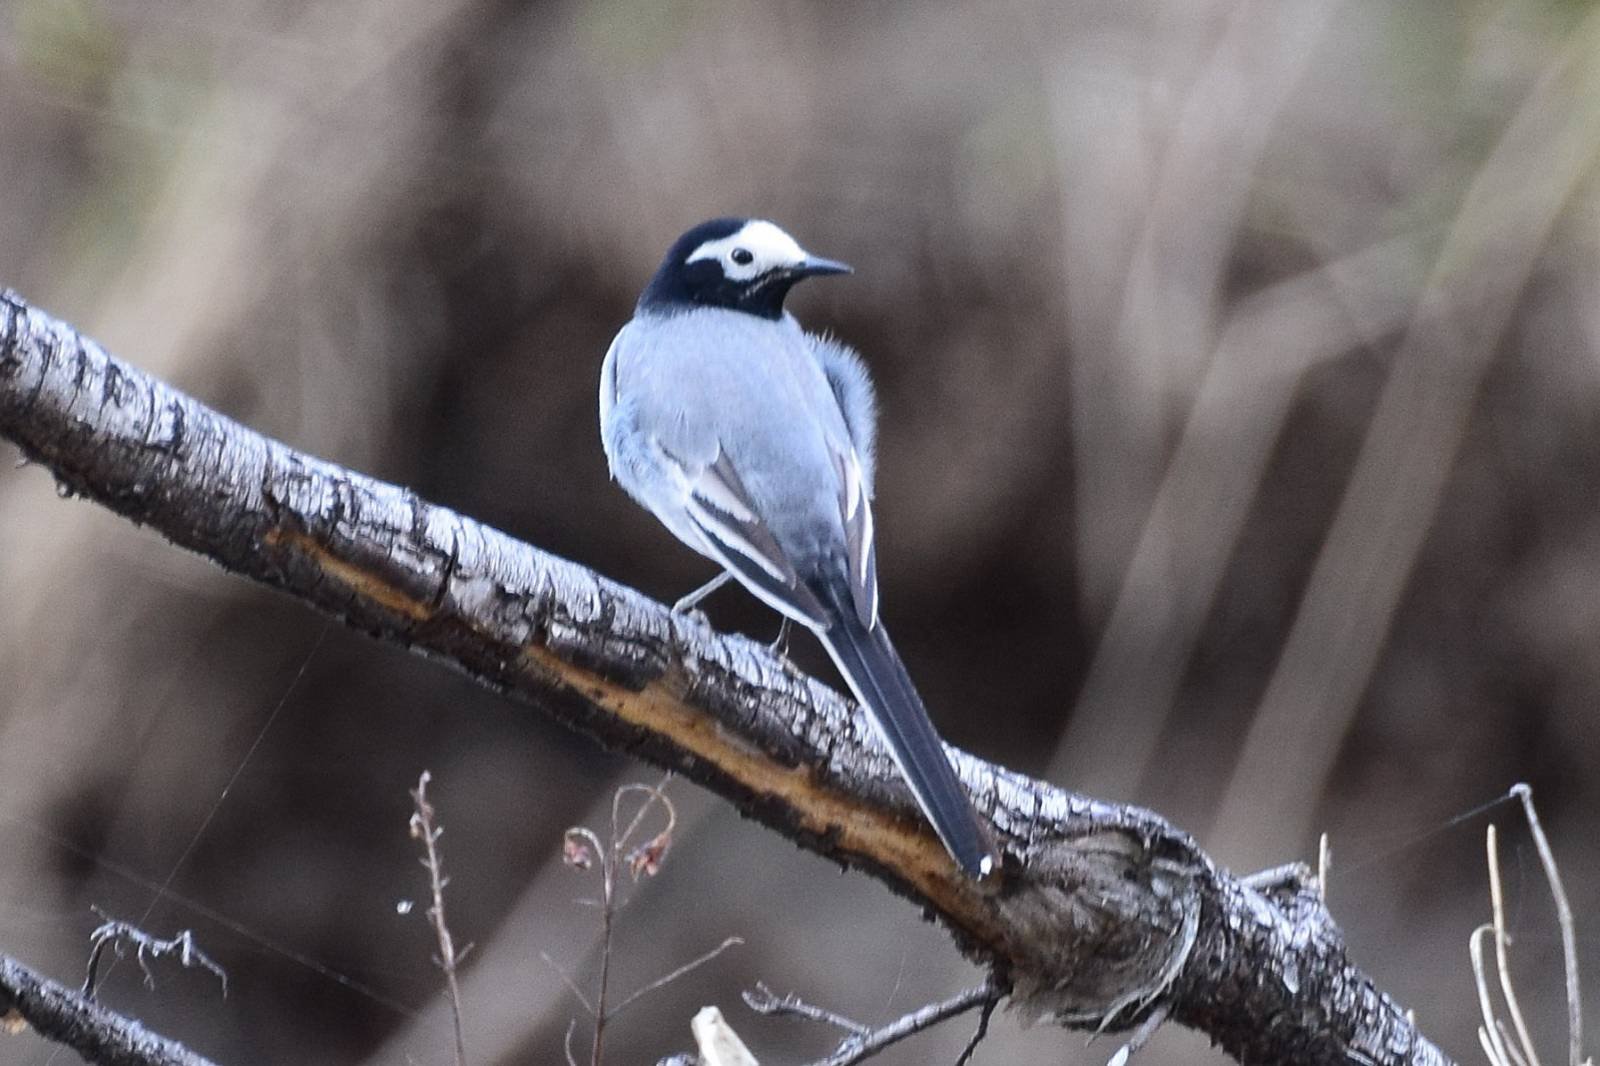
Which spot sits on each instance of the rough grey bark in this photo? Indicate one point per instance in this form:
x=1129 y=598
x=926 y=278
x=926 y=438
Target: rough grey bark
x=99 y=1035
x=1101 y=914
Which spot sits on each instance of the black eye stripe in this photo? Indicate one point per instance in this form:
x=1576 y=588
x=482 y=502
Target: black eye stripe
x=742 y=256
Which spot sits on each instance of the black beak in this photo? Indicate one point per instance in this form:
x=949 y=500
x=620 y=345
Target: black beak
x=813 y=265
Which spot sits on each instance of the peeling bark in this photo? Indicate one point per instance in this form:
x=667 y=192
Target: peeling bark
x=1100 y=915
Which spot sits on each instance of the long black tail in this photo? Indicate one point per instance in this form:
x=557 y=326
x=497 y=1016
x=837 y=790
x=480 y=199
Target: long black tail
x=879 y=679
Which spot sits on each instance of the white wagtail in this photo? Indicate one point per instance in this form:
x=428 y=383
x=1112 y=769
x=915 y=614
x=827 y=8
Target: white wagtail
x=752 y=440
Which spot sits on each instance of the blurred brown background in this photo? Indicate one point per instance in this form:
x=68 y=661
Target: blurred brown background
x=1240 y=375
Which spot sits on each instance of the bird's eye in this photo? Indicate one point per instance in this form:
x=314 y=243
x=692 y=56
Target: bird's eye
x=742 y=256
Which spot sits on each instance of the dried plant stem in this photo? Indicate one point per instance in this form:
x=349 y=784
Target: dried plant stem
x=610 y=859
x=566 y=1044
x=1502 y=955
x=1513 y=1045
x=607 y=912
x=1569 y=935
x=666 y=979
x=423 y=828
x=582 y=849
x=979 y=1033
x=566 y=979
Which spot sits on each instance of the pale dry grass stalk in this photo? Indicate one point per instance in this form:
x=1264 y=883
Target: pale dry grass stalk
x=1272 y=339
x=1411 y=447
x=424 y=827
x=1512 y=1045
x=1149 y=319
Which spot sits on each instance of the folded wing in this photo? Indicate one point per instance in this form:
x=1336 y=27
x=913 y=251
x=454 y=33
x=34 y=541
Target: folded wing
x=721 y=510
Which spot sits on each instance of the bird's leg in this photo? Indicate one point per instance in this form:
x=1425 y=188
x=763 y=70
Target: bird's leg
x=688 y=603
x=780 y=644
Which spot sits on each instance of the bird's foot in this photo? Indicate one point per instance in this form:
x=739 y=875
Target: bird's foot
x=688 y=603
x=780 y=643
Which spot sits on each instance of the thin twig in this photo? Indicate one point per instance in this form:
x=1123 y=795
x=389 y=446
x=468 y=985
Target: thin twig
x=608 y=885
x=1511 y=1047
x=611 y=859
x=566 y=1045
x=687 y=967
x=863 y=1043
x=1494 y=1047
x=1569 y=935
x=119 y=933
x=582 y=849
x=646 y=858
x=1502 y=954
x=424 y=829
x=653 y=794
x=763 y=1000
x=979 y=1033
x=572 y=986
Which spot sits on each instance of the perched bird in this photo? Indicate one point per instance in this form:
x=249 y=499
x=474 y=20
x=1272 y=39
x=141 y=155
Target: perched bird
x=752 y=441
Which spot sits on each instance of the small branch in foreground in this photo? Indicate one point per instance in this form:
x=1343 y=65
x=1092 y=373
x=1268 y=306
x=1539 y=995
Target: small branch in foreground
x=979 y=1033
x=1512 y=1045
x=120 y=934
x=65 y=1016
x=566 y=1044
x=763 y=1000
x=865 y=1042
x=425 y=829
x=666 y=979
x=1569 y=934
x=582 y=849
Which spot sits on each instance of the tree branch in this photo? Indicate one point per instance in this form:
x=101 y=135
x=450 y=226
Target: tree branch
x=68 y=1017
x=1100 y=915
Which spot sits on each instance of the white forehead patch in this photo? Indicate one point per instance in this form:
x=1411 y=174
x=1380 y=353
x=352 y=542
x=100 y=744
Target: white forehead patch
x=768 y=246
